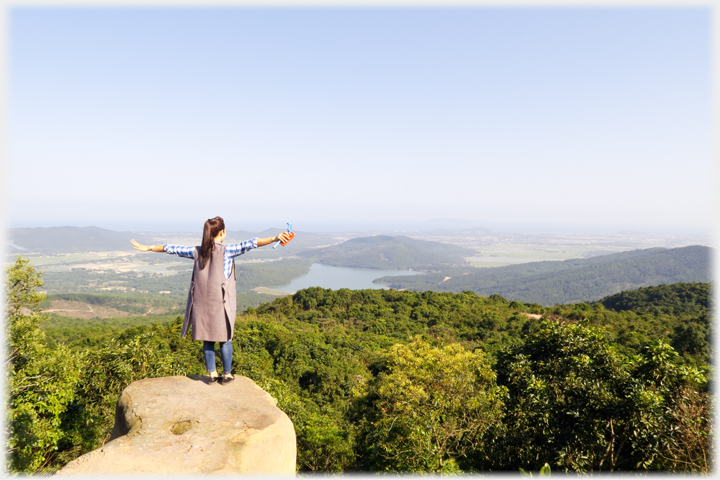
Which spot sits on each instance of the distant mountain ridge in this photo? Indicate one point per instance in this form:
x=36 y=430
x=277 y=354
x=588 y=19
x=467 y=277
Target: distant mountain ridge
x=52 y=240
x=570 y=281
x=301 y=241
x=390 y=252
x=67 y=239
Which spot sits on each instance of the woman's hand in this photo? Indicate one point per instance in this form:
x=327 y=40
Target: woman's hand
x=142 y=248
x=283 y=237
x=267 y=241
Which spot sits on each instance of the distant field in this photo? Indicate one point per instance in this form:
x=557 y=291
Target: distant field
x=119 y=261
x=71 y=258
x=480 y=264
x=87 y=310
x=503 y=255
x=122 y=284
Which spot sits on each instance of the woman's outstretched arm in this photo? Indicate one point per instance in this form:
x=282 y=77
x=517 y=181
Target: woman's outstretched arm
x=266 y=241
x=179 y=250
x=147 y=248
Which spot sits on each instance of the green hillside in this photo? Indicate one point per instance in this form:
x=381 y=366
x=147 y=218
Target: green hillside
x=571 y=281
x=679 y=299
x=386 y=252
x=363 y=374
x=683 y=308
x=391 y=381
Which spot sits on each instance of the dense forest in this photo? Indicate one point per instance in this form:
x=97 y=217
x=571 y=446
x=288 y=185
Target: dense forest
x=401 y=381
x=569 y=281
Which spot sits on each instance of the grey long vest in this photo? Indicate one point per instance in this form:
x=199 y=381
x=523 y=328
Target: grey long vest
x=211 y=302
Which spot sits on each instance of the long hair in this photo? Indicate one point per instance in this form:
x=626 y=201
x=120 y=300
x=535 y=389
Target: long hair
x=212 y=227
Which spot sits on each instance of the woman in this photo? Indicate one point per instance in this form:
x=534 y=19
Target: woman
x=211 y=303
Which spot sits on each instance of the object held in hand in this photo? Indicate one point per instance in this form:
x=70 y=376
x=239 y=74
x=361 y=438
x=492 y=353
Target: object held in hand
x=290 y=233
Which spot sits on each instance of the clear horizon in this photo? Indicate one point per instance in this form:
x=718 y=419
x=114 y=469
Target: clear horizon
x=552 y=229
x=535 y=120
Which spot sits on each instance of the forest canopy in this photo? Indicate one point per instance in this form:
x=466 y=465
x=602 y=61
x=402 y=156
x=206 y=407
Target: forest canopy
x=384 y=380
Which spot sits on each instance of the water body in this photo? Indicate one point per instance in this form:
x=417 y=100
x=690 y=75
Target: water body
x=341 y=277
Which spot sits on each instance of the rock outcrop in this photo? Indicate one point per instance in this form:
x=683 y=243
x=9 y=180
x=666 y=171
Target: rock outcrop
x=185 y=425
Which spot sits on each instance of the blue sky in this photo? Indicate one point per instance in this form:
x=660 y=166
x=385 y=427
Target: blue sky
x=534 y=119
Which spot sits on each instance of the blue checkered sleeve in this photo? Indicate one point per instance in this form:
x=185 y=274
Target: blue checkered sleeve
x=232 y=251
x=180 y=250
x=240 y=248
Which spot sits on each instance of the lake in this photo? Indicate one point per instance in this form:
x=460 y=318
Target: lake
x=340 y=277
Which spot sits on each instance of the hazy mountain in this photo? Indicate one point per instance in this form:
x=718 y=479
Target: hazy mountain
x=577 y=280
x=390 y=252
x=53 y=240
x=302 y=241
x=69 y=240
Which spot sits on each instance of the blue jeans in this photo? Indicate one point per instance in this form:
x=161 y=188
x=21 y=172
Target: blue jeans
x=225 y=355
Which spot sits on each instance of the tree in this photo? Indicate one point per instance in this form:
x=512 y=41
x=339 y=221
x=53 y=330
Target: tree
x=679 y=439
x=429 y=409
x=40 y=381
x=564 y=386
x=578 y=404
x=140 y=352
x=692 y=339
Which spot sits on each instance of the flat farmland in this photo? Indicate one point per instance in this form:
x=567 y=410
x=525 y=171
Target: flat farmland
x=502 y=249
x=502 y=255
x=120 y=261
x=87 y=310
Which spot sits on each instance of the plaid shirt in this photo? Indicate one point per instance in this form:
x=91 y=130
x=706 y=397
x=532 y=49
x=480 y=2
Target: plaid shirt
x=231 y=251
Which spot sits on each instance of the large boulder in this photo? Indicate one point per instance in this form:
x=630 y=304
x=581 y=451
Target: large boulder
x=186 y=425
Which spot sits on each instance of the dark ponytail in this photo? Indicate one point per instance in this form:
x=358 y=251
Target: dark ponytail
x=211 y=229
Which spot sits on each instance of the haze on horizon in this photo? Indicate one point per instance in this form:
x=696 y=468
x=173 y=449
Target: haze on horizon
x=569 y=120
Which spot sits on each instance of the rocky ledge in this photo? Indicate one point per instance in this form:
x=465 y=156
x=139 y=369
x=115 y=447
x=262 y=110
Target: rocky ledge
x=184 y=425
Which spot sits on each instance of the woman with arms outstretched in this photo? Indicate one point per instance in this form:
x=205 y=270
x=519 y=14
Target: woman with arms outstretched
x=211 y=306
